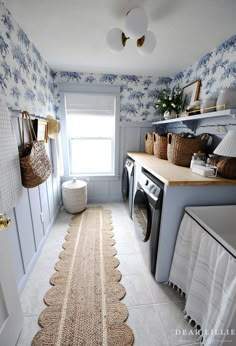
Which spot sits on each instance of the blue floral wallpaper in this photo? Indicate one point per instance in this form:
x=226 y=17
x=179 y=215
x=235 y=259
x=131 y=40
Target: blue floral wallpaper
x=26 y=80
x=138 y=93
x=216 y=70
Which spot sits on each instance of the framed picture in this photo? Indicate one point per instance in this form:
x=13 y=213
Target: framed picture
x=41 y=129
x=190 y=93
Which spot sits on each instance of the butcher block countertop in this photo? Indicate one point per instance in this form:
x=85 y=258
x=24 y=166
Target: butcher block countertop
x=173 y=175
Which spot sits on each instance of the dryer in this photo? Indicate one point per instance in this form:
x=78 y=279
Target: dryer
x=147 y=216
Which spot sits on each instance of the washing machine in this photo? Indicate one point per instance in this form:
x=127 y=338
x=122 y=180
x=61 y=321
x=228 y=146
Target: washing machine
x=147 y=216
x=127 y=183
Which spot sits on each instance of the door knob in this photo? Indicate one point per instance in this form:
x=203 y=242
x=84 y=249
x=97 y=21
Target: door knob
x=4 y=222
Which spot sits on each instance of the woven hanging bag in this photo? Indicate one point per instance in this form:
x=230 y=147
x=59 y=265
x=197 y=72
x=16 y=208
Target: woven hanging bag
x=160 y=146
x=34 y=161
x=180 y=149
x=148 y=143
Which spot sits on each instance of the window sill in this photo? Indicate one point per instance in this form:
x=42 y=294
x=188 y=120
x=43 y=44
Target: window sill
x=91 y=177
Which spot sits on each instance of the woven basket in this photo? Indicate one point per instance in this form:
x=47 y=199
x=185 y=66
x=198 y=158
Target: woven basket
x=227 y=168
x=160 y=146
x=148 y=143
x=34 y=161
x=180 y=149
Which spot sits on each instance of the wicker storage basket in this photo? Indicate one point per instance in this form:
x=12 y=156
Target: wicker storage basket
x=160 y=146
x=74 y=195
x=227 y=168
x=180 y=149
x=148 y=143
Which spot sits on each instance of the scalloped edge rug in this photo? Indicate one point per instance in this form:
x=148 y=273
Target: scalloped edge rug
x=83 y=307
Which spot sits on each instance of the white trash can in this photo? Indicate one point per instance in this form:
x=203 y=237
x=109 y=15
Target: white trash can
x=74 y=195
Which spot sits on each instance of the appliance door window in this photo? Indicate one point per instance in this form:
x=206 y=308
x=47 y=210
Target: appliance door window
x=125 y=184
x=142 y=215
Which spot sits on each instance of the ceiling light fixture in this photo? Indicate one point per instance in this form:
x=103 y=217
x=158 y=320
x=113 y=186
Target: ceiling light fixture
x=116 y=39
x=136 y=23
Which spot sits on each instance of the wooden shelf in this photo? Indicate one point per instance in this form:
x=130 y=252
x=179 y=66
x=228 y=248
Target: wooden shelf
x=223 y=113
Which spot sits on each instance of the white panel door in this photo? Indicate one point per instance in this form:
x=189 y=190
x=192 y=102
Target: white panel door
x=11 y=318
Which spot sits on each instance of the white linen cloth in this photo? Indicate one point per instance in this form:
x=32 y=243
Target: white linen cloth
x=206 y=273
x=10 y=176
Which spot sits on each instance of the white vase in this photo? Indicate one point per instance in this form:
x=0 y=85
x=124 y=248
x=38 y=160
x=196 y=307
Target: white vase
x=226 y=97
x=170 y=115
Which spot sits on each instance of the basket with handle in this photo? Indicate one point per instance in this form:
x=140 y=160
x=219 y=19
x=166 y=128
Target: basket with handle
x=160 y=146
x=34 y=161
x=180 y=149
x=148 y=143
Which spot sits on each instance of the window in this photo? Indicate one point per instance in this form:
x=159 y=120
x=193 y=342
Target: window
x=91 y=133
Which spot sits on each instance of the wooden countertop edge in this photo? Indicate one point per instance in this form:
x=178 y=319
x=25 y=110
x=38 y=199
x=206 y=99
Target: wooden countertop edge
x=189 y=181
x=208 y=182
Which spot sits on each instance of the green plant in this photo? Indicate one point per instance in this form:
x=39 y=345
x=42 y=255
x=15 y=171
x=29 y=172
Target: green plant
x=169 y=101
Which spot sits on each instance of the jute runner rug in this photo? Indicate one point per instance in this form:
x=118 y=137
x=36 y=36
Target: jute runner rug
x=84 y=305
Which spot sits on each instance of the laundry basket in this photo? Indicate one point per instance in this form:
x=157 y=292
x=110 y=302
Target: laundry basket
x=74 y=195
x=160 y=146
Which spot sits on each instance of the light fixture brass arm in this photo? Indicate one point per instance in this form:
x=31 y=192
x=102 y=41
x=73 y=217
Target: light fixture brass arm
x=140 y=41
x=124 y=39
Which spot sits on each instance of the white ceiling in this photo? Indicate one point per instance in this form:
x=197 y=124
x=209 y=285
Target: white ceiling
x=71 y=34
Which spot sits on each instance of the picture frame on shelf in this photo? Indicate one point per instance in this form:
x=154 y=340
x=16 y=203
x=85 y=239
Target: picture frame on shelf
x=41 y=129
x=190 y=93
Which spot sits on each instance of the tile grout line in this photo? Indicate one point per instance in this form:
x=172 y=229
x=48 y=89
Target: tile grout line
x=34 y=315
x=162 y=327
x=153 y=304
x=137 y=306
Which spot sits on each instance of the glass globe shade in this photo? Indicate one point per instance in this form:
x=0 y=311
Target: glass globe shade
x=148 y=45
x=136 y=23
x=114 y=40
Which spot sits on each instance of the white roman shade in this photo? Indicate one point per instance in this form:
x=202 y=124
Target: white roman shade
x=90 y=104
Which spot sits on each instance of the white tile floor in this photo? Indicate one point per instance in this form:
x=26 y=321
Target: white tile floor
x=155 y=310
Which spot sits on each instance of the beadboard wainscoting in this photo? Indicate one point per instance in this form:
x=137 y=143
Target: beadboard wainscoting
x=31 y=219
x=108 y=189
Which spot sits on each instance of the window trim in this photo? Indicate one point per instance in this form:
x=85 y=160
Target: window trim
x=67 y=88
